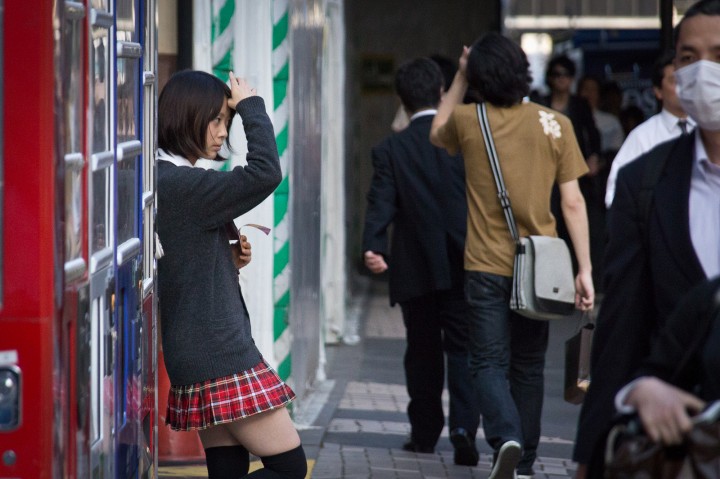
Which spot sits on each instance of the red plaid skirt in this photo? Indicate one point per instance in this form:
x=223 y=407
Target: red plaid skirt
x=227 y=399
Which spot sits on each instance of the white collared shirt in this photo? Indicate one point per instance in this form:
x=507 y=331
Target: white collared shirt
x=705 y=209
x=646 y=136
x=430 y=111
x=177 y=160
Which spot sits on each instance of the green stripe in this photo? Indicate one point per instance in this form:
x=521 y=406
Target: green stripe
x=284 y=73
x=225 y=15
x=279 y=91
x=283 y=302
x=281 y=201
x=280 y=321
x=283 y=190
x=281 y=259
x=282 y=140
x=280 y=30
x=222 y=67
x=285 y=368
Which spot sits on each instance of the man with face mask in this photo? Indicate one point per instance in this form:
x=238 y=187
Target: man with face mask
x=658 y=249
x=671 y=122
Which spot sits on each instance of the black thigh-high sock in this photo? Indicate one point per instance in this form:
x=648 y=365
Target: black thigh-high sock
x=286 y=465
x=227 y=462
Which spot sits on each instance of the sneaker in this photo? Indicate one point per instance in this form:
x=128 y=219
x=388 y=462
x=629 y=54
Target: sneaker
x=524 y=476
x=507 y=459
x=465 y=452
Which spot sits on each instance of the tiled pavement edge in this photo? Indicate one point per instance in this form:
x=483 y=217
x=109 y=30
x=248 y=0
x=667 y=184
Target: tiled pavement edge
x=359 y=430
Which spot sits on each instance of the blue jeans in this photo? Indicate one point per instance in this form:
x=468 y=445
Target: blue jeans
x=507 y=358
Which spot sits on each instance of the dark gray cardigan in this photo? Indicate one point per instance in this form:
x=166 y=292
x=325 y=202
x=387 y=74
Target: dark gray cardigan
x=204 y=323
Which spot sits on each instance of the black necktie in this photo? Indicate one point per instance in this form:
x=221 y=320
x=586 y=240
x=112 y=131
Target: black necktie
x=683 y=126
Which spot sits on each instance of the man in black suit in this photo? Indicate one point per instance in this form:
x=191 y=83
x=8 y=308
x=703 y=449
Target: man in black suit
x=664 y=234
x=419 y=189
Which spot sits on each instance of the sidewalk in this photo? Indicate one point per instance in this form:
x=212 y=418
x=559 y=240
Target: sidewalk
x=354 y=423
x=359 y=431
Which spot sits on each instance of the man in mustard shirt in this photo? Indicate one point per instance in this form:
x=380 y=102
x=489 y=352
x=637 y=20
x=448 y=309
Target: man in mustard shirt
x=536 y=147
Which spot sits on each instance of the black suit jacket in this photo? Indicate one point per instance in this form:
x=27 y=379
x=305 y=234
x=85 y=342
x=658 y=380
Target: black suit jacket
x=420 y=190
x=679 y=355
x=646 y=275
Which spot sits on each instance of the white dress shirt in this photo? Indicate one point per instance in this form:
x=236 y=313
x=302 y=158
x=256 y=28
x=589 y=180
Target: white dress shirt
x=643 y=138
x=705 y=210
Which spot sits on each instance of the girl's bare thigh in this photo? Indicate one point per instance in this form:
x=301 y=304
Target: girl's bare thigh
x=264 y=434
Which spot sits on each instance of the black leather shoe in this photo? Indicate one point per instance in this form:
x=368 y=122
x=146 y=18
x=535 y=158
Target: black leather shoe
x=412 y=446
x=465 y=452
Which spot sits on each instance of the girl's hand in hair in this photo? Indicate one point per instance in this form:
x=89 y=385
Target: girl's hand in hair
x=239 y=90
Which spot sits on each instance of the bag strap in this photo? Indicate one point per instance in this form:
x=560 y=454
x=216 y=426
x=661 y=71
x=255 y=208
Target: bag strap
x=497 y=173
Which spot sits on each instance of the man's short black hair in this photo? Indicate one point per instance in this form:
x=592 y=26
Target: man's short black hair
x=703 y=7
x=498 y=70
x=658 y=72
x=418 y=83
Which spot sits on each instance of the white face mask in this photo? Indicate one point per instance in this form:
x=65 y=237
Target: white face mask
x=698 y=88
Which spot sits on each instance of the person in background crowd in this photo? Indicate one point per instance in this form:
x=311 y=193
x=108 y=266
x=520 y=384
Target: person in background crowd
x=507 y=351
x=419 y=191
x=663 y=234
x=559 y=76
x=220 y=384
x=672 y=121
x=611 y=138
x=611 y=98
x=630 y=117
x=611 y=132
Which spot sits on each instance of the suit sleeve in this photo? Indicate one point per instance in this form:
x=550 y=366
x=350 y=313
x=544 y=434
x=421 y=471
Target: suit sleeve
x=624 y=325
x=381 y=203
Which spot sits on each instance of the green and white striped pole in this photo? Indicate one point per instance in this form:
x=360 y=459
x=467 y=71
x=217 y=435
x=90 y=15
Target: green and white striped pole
x=222 y=38
x=281 y=270
x=222 y=41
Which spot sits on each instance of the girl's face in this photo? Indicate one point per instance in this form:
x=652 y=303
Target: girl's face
x=217 y=132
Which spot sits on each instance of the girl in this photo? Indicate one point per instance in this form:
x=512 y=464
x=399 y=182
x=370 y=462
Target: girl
x=221 y=386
